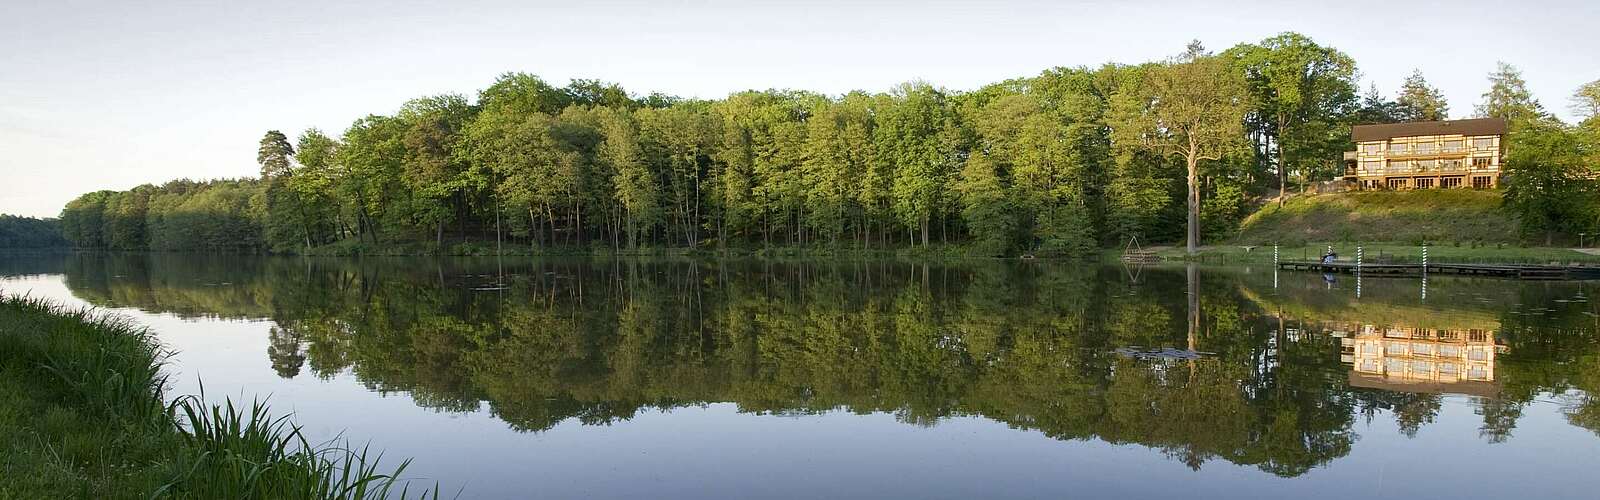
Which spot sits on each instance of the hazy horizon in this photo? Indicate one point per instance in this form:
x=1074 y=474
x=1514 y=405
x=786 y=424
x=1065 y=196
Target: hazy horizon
x=102 y=95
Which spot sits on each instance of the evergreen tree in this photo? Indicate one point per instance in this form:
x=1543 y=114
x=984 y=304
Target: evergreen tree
x=1375 y=108
x=1420 y=102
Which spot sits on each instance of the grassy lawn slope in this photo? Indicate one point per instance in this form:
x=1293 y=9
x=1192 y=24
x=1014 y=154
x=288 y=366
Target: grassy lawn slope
x=1436 y=215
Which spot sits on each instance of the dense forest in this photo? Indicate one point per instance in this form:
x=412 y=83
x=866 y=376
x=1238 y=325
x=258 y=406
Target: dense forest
x=28 y=232
x=1040 y=346
x=1058 y=164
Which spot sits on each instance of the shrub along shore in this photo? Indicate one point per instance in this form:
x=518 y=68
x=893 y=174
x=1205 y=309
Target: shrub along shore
x=83 y=414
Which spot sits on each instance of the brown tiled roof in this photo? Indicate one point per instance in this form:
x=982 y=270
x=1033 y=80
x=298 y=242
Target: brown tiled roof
x=1386 y=131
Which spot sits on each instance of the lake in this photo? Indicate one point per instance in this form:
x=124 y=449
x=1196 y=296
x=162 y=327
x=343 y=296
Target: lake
x=676 y=378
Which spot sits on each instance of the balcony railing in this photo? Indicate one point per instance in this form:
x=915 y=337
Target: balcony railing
x=1431 y=154
x=1457 y=170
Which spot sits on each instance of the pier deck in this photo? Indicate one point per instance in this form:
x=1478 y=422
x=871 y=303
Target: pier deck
x=1512 y=271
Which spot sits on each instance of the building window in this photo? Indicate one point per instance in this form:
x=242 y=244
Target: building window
x=1454 y=164
x=1399 y=166
x=1424 y=182
x=1450 y=182
x=1447 y=369
x=1424 y=148
x=1482 y=143
x=1397 y=183
x=1449 y=351
x=1478 y=354
x=1480 y=163
x=1394 y=366
x=1373 y=166
x=1450 y=146
x=1482 y=182
x=1424 y=165
x=1372 y=148
x=1398 y=148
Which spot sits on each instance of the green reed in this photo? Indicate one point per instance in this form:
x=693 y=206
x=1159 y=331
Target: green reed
x=83 y=414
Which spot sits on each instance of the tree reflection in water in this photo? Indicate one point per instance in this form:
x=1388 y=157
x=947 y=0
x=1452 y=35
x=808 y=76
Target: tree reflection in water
x=1030 y=344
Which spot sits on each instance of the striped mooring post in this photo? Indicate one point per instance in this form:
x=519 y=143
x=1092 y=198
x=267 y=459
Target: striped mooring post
x=1274 y=254
x=1359 y=251
x=1424 y=271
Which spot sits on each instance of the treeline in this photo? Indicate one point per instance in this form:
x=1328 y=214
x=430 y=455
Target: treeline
x=1056 y=164
x=30 y=233
x=220 y=215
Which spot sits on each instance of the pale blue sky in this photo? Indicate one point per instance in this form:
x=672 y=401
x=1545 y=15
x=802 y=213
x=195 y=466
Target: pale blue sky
x=111 y=94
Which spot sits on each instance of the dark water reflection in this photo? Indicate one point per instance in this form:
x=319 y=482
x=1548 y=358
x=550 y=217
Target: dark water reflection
x=1283 y=374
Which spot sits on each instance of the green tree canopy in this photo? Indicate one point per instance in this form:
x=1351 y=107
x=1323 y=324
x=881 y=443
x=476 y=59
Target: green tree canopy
x=1419 y=101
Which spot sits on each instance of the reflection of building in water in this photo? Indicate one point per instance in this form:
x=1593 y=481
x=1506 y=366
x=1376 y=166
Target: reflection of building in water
x=1419 y=359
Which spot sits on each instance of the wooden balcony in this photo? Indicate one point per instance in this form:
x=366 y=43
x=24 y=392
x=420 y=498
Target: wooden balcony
x=1423 y=156
x=1464 y=170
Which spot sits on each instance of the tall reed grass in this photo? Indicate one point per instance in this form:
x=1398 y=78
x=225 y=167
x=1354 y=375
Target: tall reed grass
x=83 y=413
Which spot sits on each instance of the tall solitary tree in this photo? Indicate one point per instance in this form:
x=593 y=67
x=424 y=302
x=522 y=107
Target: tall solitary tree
x=1194 y=110
x=274 y=154
x=1419 y=102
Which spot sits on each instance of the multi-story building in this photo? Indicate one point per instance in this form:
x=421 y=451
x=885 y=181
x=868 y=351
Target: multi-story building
x=1421 y=155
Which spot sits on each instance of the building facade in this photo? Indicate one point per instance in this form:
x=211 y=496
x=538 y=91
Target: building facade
x=1423 y=155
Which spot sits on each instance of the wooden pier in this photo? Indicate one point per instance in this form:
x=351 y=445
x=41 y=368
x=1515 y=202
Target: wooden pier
x=1512 y=271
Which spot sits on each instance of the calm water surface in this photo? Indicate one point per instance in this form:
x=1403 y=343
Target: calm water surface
x=807 y=379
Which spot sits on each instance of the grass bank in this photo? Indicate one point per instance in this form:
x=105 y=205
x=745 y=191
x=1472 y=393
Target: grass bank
x=83 y=415
x=1439 y=216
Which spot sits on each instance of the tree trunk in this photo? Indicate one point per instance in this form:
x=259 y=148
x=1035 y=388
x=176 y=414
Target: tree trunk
x=535 y=232
x=925 y=231
x=1283 y=165
x=633 y=233
x=1194 y=203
